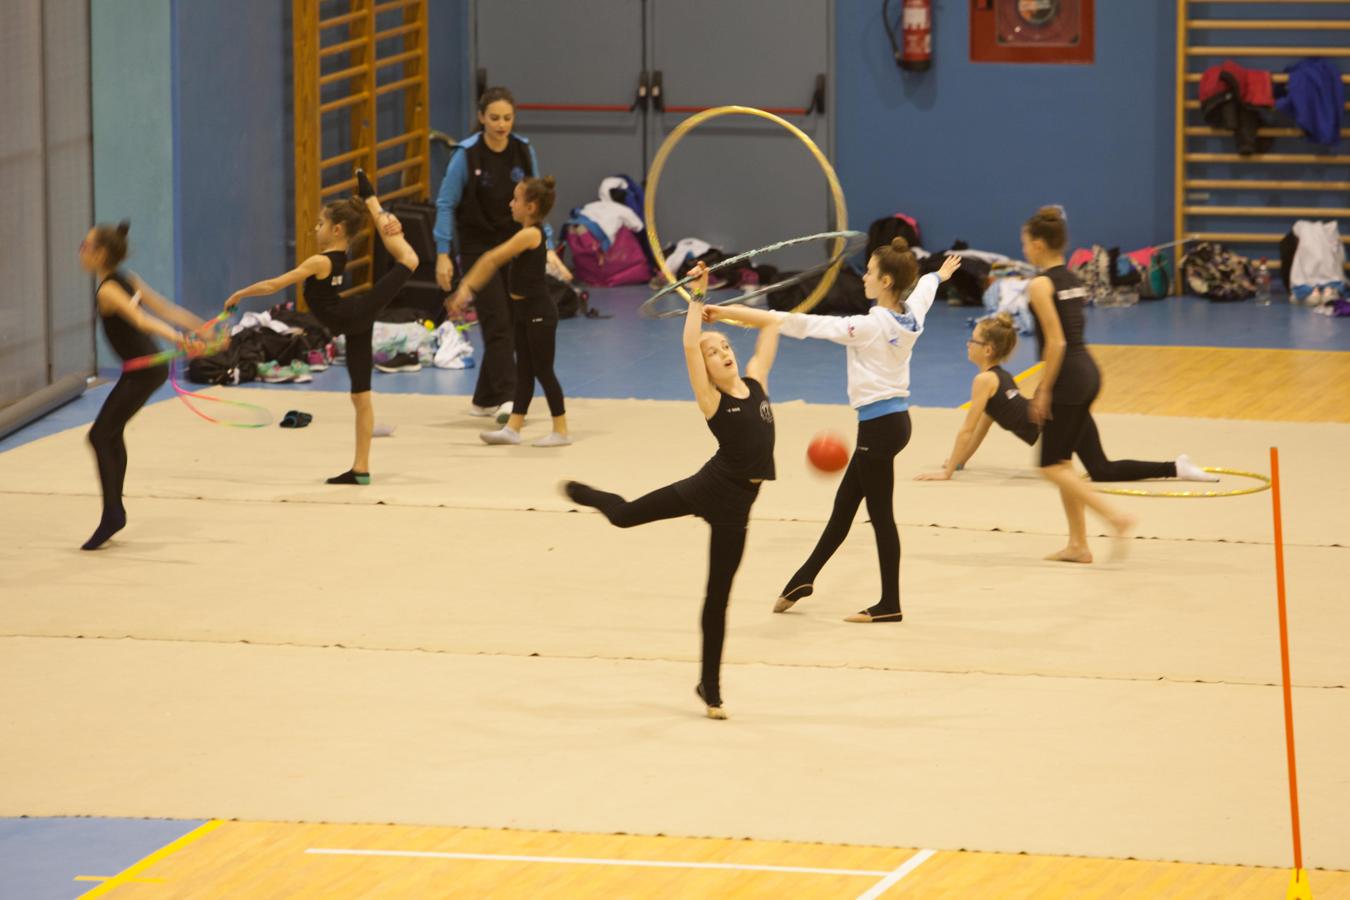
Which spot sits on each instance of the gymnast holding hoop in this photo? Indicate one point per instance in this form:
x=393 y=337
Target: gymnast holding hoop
x=995 y=398
x=879 y=347
x=739 y=415
x=123 y=299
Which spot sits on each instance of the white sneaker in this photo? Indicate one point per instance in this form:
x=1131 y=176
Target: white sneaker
x=1189 y=471
x=481 y=411
x=553 y=439
x=503 y=412
x=500 y=436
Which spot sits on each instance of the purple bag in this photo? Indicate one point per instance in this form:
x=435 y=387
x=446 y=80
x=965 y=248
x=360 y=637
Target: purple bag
x=623 y=263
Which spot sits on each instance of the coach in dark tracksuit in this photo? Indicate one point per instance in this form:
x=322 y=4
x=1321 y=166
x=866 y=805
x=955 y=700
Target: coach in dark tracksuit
x=473 y=212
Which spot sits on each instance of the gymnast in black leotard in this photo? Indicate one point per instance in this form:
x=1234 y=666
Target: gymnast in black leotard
x=123 y=300
x=1069 y=382
x=996 y=399
x=738 y=413
x=324 y=277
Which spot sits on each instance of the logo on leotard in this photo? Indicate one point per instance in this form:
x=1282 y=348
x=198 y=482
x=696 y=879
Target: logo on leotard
x=1011 y=393
x=1077 y=293
x=765 y=411
x=517 y=174
x=336 y=281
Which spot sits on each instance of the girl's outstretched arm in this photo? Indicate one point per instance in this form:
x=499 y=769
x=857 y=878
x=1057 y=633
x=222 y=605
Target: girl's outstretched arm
x=489 y=263
x=704 y=392
x=317 y=266
x=165 y=308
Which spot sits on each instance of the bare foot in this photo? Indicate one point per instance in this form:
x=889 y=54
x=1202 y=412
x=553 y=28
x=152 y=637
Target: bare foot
x=1120 y=542
x=1072 y=554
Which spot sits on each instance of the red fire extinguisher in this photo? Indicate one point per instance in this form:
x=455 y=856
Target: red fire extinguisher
x=916 y=26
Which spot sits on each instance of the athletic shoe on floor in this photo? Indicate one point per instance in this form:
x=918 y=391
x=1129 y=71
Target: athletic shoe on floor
x=482 y=411
x=274 y=373
x=1189 y=471
x=503 y=412
x=300 y=372
x=502 y=435
x=553 y=439
x=400 y=362
x=317 y=361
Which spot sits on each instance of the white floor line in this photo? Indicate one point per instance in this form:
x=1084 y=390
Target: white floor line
x=648 y=863
x=889 y=881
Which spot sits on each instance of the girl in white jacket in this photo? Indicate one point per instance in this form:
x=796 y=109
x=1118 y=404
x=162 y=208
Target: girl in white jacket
x=879 y=346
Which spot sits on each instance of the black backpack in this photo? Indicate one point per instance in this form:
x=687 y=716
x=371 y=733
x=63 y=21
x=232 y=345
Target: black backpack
x=884 y=230
x=846 y=296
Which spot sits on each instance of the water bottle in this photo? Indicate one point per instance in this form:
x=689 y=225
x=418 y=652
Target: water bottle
x=1262 y=284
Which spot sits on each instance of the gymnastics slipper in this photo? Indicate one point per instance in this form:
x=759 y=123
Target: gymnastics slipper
x=714 y=712
x=867 y=617
x=296 y=419
x=791 y=596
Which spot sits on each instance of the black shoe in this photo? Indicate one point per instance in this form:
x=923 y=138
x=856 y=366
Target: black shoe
x=400 y=362
x=364 y=188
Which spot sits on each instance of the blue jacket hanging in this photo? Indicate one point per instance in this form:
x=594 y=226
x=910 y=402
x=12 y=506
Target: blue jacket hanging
x=1315 y=99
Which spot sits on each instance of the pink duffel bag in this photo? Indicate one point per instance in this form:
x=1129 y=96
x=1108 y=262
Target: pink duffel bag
x=623 y=263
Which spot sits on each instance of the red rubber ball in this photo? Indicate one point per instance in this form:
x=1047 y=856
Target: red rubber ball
x=827 y=452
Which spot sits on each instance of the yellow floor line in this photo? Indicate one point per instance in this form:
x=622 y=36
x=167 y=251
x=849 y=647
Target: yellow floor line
x=129 y=874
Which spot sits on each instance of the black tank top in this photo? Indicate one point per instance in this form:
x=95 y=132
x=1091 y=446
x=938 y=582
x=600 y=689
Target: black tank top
x=525 y=275
x=1078 y=378
x=322 y=293
x=126 y=339
x=744 y=431
x=1009 y=408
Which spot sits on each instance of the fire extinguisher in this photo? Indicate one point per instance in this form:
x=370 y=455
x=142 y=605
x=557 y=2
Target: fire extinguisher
x=914 y=52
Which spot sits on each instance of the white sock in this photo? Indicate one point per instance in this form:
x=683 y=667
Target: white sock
x=504 y=435
x=553 y=439
x=1189 y=471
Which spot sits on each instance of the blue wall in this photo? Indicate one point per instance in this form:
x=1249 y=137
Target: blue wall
x=971 y=150
x=235 y=171
x=131 y=66
x=193 y=134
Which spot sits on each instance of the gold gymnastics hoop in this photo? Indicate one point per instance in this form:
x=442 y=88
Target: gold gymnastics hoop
x=659 y=163
x=1200 y=495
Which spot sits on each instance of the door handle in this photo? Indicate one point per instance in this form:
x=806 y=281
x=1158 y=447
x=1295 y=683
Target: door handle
x=657 y=94
x=643 y=93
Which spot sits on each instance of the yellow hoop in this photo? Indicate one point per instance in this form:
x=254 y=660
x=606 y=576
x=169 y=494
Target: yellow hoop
x=1197 y=495
x=659 y=163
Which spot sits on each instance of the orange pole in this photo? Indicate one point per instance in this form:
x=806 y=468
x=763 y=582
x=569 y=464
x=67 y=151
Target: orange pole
x=1284 y=657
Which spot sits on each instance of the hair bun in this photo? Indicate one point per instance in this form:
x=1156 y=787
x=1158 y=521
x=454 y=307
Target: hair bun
x=900 y=245
x=549 y=181
x=1004 y=319
x=123 y=227
x=1055 y=212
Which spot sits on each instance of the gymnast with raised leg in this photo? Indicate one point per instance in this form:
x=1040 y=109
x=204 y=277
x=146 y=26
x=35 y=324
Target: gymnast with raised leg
x=995 y=399
x=879 y=348
x=132 y=314
x=1070 y=381
x=323 y=275
x=534 y=316
x=738 y=413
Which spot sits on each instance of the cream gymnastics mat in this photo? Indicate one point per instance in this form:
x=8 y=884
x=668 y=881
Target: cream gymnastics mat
x=1022 y=705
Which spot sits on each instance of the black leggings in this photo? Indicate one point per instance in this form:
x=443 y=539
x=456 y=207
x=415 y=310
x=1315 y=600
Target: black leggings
x=106 y=436
x=536 y=332
x=1093 y=457
x=725 y=548
x=355 y=317
x=496 y=372
x=870 y=476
